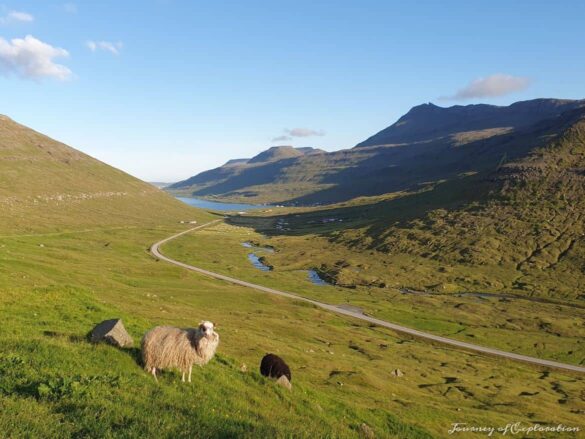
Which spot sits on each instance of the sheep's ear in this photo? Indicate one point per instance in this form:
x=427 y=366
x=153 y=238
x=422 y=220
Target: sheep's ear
x=214 y=325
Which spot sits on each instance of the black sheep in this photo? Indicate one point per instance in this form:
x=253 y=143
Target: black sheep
x=274 y=367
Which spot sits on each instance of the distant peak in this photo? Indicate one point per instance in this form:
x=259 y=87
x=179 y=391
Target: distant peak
x=281 y=152
x=276 y=153
x=429 y=121
x=423 y=107
x=281 y=147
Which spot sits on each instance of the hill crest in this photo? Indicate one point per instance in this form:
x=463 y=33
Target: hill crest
x=427 y=144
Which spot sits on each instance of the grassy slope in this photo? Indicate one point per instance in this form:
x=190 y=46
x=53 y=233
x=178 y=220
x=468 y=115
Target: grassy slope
x=538 y=329
x=74 y=234
x=54 y=383
x=48 y=186
x=68 y=263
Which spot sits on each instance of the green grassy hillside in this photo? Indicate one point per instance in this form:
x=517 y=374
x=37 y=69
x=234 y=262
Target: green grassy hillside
x=54 y=383
x=547 y=330
x=73 y=252
x=48 y=186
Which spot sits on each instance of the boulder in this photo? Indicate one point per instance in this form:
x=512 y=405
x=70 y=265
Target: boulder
x=284 y=382
x=112 y=332
x=397 y=373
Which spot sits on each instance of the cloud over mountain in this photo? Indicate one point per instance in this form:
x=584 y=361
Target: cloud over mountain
x=298 y=132
x=490 y=86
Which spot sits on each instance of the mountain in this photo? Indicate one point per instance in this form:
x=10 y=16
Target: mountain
x=428 y=144
x=47 y=185
x=517 y=227
x=276 y=153
x=262 y=169
x=428 y=121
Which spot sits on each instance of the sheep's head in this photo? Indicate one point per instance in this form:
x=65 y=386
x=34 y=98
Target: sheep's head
x=207 y=329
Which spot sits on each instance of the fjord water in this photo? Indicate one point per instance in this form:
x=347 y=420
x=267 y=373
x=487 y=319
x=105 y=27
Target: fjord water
x=214 y=205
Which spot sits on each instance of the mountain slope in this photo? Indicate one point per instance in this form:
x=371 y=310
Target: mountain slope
x=516 y=228
x=530 y=224
x=46 y=185
x=428 y=144
x=429 y=121
x=263 y=169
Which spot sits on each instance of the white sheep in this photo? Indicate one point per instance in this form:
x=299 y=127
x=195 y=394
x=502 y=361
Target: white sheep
x=165 y=347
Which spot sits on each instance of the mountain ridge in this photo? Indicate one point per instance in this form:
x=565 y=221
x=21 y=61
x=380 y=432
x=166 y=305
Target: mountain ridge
x=429 y=143
x=429 y=119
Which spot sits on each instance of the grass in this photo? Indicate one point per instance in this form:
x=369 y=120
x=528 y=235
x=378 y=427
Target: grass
x=53 y=295
x=537 y=329
x=49 y=187
x=74 y=235
x=512 y=225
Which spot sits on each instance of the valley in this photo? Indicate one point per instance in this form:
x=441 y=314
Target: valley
x=315 y=220
x=343 y=368
x=551 y=331
x=74 y=250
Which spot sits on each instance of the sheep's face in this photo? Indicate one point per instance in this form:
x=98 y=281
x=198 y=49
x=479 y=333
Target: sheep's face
x=207 y=329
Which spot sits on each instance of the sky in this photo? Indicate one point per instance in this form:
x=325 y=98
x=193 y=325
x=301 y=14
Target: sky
x=164 y=89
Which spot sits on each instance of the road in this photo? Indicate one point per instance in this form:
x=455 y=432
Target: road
x=155 y=250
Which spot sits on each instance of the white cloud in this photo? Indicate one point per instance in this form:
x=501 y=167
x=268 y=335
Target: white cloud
x=113 y=48
x=17 y=17
x=297 y=132
x=304 y=132
x=30 y=58
x=490 y=86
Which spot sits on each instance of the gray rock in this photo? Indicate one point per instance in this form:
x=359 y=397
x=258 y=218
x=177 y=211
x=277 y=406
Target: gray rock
x=397 y=373
x=284 y=382
x=112 y=332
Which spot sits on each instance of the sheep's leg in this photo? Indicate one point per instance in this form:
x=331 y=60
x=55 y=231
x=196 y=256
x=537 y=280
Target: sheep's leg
x=153 y=372
x=190 y=368
x=183 y=377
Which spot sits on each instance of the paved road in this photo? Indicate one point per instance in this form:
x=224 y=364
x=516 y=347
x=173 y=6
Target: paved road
x=155 y=250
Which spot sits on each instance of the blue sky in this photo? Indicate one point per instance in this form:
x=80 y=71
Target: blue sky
x=164 y=89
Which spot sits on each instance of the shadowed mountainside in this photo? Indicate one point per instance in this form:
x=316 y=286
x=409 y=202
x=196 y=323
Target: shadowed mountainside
x=515 y=227
x=428 y=144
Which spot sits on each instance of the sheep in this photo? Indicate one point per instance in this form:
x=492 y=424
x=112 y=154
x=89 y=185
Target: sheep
x=165 y=347
x=273 y=366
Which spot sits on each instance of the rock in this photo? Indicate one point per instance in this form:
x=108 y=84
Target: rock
x=284 y=382
x=112 y=332
x=366 y=431
x=397 y=373
x=244 y=368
